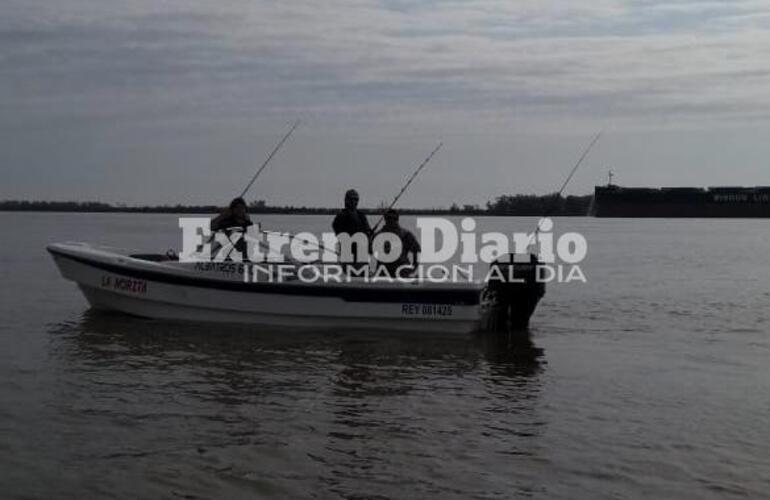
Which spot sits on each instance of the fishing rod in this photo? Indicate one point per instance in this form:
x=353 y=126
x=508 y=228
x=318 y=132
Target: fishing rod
x=265 y=163
x=408 y=182
x=270 y=156
x=564 y=185
x=579 y=162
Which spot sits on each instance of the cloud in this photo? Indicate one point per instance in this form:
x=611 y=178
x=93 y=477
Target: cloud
x=119 y=72
x=482 y=55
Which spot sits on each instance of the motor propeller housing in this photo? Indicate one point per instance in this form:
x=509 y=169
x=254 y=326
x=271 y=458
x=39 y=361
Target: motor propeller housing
x=511 y=294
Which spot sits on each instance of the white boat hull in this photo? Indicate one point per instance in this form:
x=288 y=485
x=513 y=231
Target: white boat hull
x=118 y=282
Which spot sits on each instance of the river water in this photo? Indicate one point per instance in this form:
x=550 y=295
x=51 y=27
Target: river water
x=651 y=380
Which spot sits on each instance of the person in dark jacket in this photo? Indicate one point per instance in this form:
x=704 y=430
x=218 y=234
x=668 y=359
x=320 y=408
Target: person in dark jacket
x=233 y=218
x=410 y=247
x=351 y=221
x=236 y=215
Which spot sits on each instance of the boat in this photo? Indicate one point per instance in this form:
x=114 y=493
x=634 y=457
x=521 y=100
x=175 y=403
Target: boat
x=161 y=286
x=618 y=201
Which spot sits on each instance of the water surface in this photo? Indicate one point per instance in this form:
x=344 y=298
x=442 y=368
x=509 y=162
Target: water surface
x=651 y=380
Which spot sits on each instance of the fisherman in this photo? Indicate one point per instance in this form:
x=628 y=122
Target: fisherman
x=351 y=221
x=401 y=267
x=233 y=219
x=236 y=215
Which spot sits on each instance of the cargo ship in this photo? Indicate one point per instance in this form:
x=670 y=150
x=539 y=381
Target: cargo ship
x=617 y=201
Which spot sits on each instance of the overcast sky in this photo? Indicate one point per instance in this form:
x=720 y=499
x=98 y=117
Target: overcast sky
x=178 y=101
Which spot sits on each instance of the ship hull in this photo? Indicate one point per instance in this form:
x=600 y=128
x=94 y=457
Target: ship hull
x=616 y=201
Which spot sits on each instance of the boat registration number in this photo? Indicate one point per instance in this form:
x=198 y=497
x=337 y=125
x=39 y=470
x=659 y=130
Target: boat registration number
x=426 y=310
x=124 y=284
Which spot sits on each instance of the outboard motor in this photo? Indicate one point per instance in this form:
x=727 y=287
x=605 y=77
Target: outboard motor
x=511 y=294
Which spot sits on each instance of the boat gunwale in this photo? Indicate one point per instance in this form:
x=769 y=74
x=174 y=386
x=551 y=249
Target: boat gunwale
x=467 y=296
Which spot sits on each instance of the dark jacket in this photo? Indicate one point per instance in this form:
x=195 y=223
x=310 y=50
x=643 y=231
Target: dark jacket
x=223 y=222
x=351 y=222
x=409 y=244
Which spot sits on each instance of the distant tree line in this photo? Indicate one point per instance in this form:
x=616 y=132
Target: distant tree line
x=503 y=205
x=98 y=206
x=523 y=204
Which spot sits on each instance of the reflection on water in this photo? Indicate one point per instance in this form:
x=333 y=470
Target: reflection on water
x=512 y=353
x=101 y=336
x=357 y=413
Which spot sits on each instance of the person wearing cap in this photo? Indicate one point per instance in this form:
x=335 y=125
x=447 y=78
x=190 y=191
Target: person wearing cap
x=236 y=215
x=401 y=267
x=350 y=220
x=233 y=218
